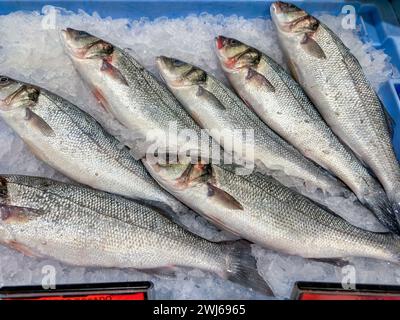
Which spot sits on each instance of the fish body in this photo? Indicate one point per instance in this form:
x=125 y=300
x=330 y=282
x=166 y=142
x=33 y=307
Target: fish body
x=130 y=93
x=72 y=142
x=282 y=104
x=221 y=112
x=85 y=227
x=261 y=210
x=334 y=80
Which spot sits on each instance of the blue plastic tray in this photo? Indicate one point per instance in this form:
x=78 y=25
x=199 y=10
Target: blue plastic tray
x=377 y=17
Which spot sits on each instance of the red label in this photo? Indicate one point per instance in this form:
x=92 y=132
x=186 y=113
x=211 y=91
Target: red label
x=105 y=297
x=336 y=296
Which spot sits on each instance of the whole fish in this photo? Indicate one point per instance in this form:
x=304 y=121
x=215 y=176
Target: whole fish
x=130 y=93
x=263 y=211
x=214 y=106
x=282 y=104
x=72 y=142
x=334 y=80
x=85 y=227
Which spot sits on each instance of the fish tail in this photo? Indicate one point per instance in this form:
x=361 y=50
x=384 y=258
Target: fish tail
x=241 y=267
x=394 y=198
x=396 y=207
x=384 y=210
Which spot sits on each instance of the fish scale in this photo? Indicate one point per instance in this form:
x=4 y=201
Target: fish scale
x=79 y=147
x=282 y=104
x=139 y=101
x=272 y=215
x=214 y=106
x=72 y=209
x=333 y=79
x=143 y=85
x=85 y=227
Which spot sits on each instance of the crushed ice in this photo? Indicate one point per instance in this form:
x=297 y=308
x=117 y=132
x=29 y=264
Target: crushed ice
x=32 y=53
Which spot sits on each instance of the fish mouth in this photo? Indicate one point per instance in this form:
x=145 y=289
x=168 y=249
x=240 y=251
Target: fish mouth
x=280 y=7
x=289 y=18
x=220 y=42
x=164 y=70
x=230 y=58
x=78 y=43
x=226 y=62
x=66 y=40
x=160 y=61
x=67 y=36
x=10 y=91
x=164 y=62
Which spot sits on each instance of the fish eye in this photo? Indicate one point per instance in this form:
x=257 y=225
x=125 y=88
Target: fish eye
x=178 y=63
x=4 y=81
x=234 y=42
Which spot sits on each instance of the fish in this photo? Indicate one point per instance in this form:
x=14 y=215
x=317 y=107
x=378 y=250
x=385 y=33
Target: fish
x=261 y=210
x=80 y=226
x=283 y=105
x=334 y=80
x=131 y=94
x=214 y=106
x=74 y=143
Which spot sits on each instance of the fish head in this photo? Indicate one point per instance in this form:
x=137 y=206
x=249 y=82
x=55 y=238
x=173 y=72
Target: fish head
x=12 y=217
x=291 y=19
x=16 y=96
x=179 y=176
x=179 y=74
x=98 y=64
x=195 y=182
x=82 y=45
x=235 y=55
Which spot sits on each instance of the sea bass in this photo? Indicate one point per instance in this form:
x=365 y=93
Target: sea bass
x=130 y=93
x=282 y=104
x=72 y=142
x=219 y=110
x=85 y=227
x=334 y=80
x=261 y=210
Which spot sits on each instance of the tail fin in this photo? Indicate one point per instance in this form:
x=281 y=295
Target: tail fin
x=386 y=213
x=241 y=267
x=396 y=210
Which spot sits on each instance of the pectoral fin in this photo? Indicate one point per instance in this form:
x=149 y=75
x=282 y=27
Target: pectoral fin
x=223 y=197
x=39 y=123
x=293 y=70
x=259 y=80
x=310 y=46
x=207 y=95
x=113 y=72
x=98 y=94
x=17 y=215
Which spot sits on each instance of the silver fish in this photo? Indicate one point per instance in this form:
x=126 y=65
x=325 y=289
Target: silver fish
x=129 y=92
x=263 y=211
x=72 y=142
x=282 y=104
x=214 y=106
x=85 y=227
x=334 y=80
